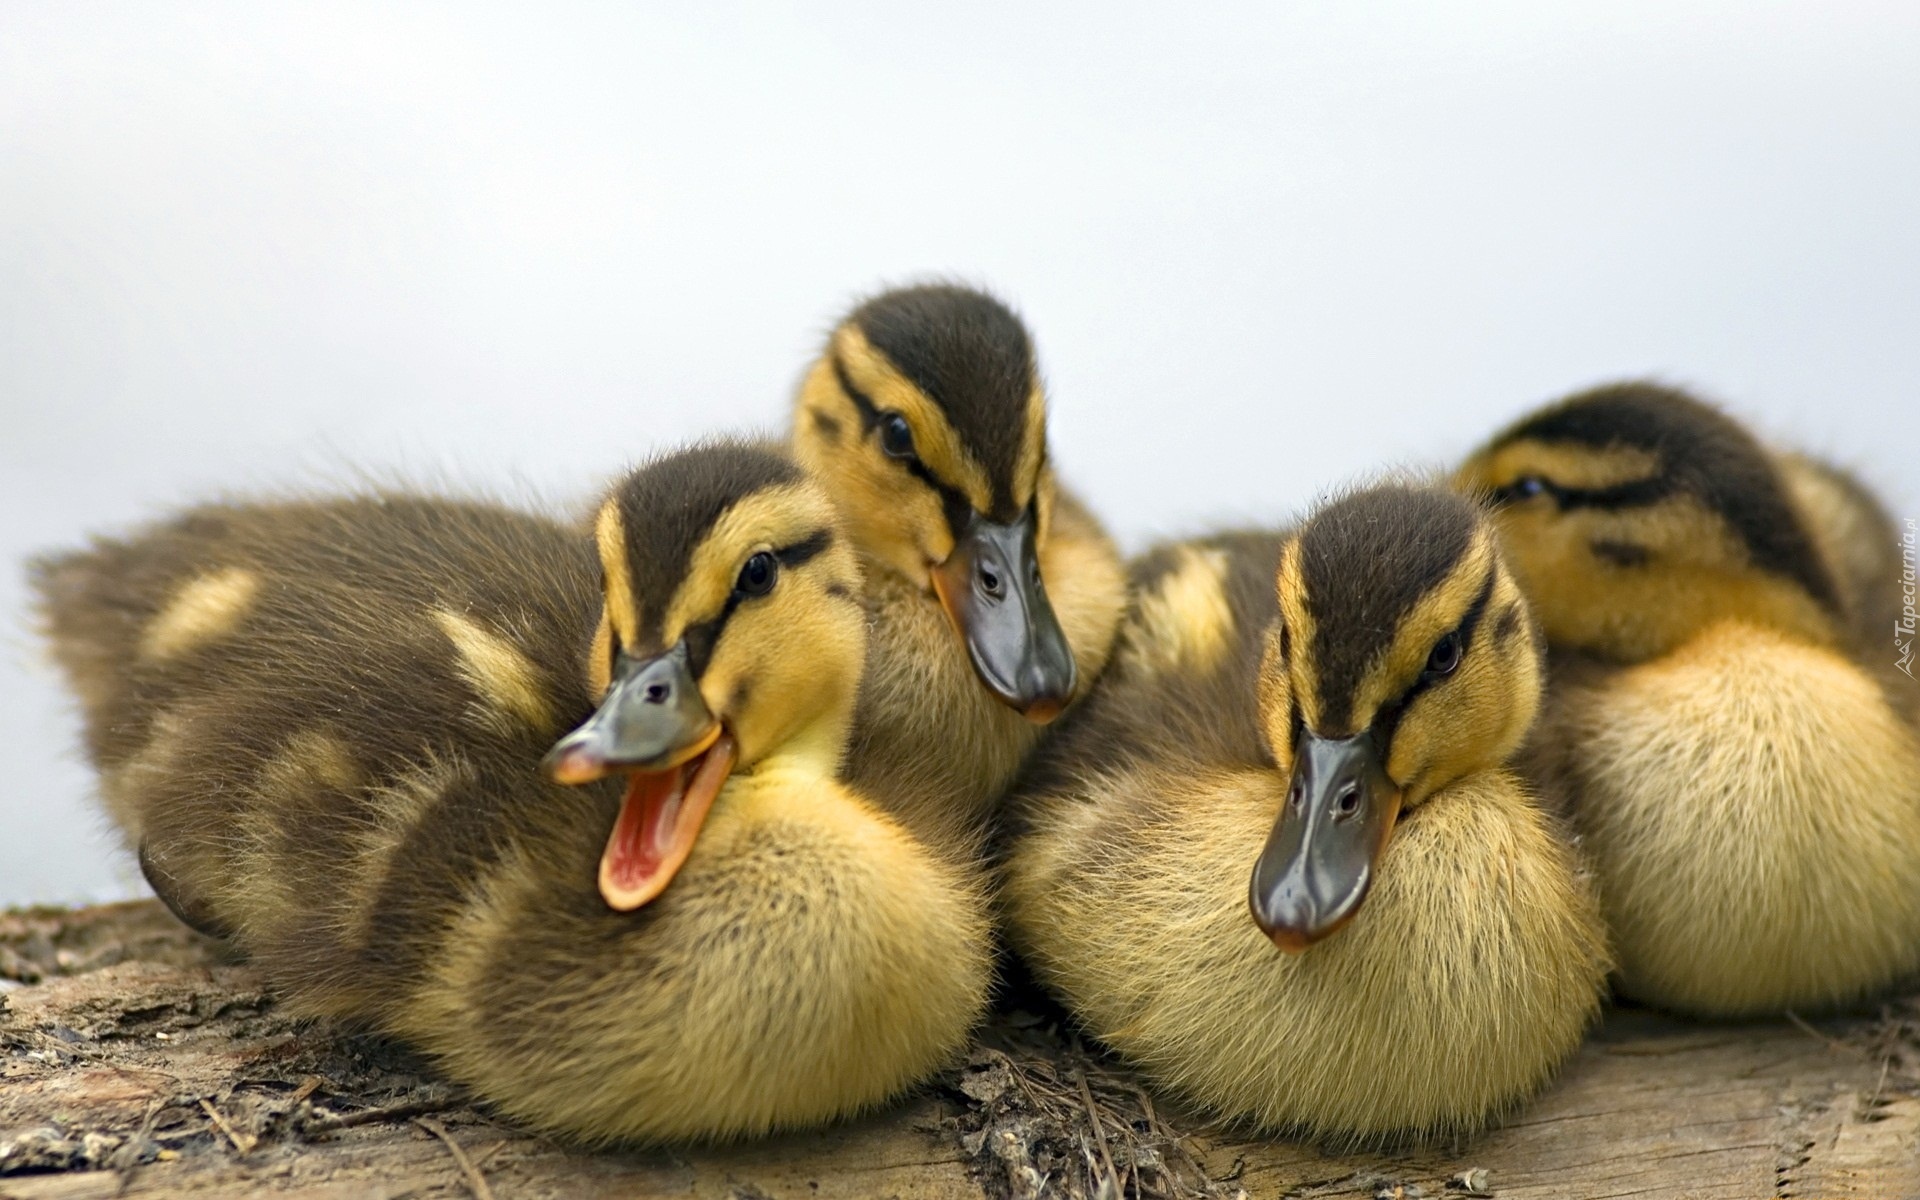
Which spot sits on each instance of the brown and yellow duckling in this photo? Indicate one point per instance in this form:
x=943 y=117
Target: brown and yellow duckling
x=1317 y=726
x=925 y=419
x=1746 y=781
x=710 y=936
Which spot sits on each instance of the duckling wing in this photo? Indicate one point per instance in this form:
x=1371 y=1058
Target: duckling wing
x=1181 y=684
x=1859 y=538
x=133 y=620
x=236 y=641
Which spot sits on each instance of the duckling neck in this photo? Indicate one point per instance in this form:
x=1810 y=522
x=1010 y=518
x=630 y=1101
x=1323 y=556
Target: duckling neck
x=812 y=755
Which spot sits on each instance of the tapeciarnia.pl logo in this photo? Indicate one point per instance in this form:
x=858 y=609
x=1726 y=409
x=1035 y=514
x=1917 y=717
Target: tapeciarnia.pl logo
x=1903 y=627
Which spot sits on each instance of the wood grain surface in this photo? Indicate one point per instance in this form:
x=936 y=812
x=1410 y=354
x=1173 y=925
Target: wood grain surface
x=136 y=1061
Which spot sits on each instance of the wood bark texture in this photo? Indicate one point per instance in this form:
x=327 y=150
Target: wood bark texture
x=137 y=1061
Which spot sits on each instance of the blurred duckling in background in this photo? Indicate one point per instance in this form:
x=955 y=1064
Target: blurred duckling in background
x=707 y=936
x=1742 y=765
x=1318 y=726
x=1858 y=538
x=925 y=419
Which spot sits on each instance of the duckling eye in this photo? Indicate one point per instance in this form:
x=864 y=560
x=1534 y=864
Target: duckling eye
x=757 y=576
x=1445 y=656
x=896 y=437
x=1525 y=488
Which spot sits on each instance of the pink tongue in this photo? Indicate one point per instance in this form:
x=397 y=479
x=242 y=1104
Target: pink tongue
x=643 y=836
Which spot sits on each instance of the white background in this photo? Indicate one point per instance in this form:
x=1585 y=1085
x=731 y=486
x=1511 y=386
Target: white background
x=1264 y=247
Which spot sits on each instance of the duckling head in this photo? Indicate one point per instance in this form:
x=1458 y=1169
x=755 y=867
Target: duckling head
x=1403 y=659
x=926 y=416
x=1635 y=514
x=731 y=635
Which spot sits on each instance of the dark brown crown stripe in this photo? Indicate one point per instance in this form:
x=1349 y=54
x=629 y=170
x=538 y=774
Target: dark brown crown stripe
x=668 y=508
x=1365 y=562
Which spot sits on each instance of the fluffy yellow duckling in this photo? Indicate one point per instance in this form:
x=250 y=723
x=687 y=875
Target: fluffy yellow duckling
x=1747 y=785
x=925 y=418
x=1316 y=726
x=336 y=760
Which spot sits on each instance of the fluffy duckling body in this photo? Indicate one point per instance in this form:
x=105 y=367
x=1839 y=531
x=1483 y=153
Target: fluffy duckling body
x=1332 y=712
x=342 y=771
x=994 y=593
x=1748 y=789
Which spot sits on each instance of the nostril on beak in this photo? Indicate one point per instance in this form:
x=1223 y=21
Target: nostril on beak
x=659 y=693
x=1348 y=802
x=1297 y=797
x=990 y=582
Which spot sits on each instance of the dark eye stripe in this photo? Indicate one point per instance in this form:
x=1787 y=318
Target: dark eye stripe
x=1635 y=494
x=1387 y=722
x=862 y=403
x=954 y=504
x=1620 y=553
x=828 y=427
x=805 y=548
x=1507 y=624
x=702 y=638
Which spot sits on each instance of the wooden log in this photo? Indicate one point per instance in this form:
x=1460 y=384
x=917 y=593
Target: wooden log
x=136 y=1060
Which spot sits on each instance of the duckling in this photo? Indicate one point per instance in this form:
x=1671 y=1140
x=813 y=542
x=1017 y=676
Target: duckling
x=1747 y=787
x=1858 y=539
x=925 y=418
x=1317 y=727
x=672 y=922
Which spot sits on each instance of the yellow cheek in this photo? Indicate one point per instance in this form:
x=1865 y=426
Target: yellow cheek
x=1630 y=613
x=1409 y=759
x=928 y=526
x=1044 y=491
x=912 y=532
x=600 y=659
x=892 y=516
x=1472 y=722
x=1551 y=560
x=1275 y=701
x=730 y=666
x=1537 y=542
x=1437 y=747
x=781 y=663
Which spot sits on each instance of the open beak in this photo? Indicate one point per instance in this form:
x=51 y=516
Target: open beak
x=1318 y=862
x=655 y=726
x=991 y=588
